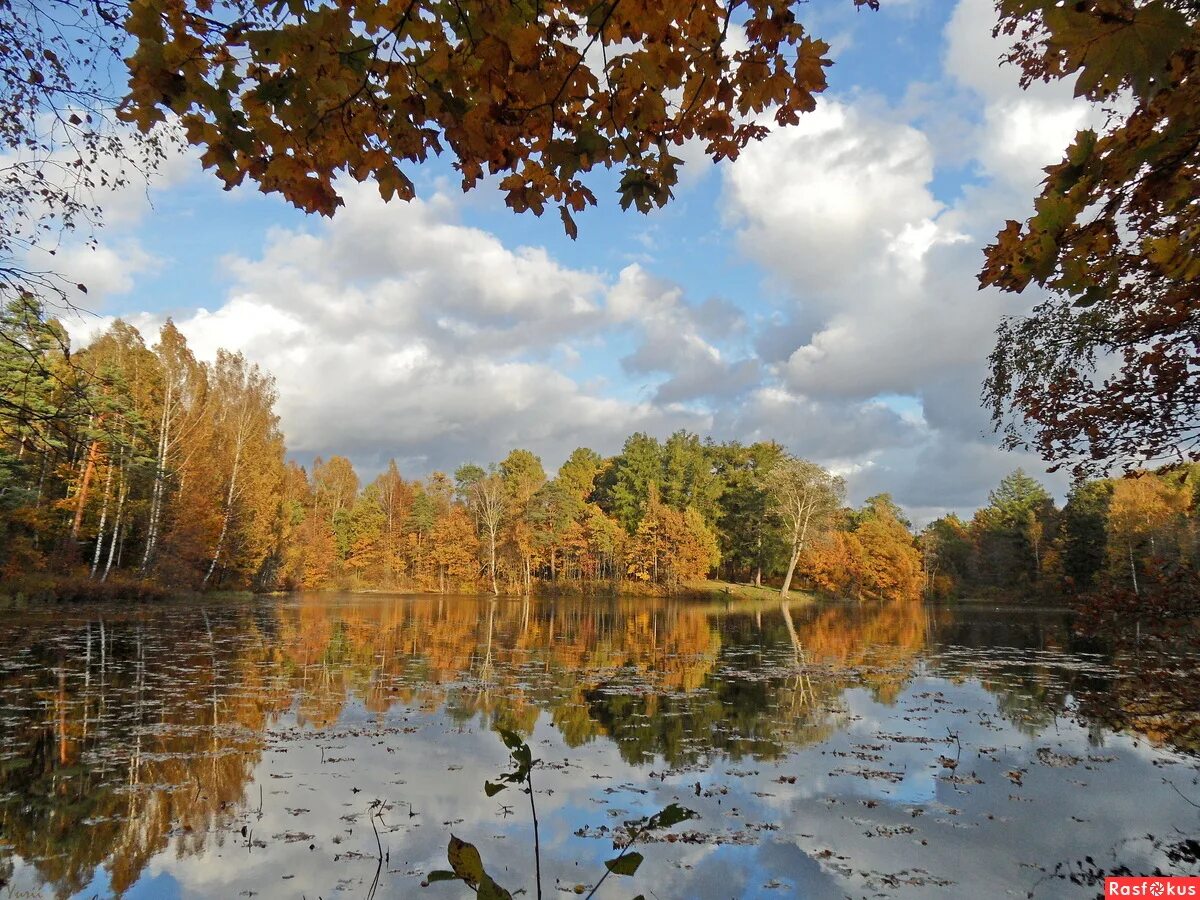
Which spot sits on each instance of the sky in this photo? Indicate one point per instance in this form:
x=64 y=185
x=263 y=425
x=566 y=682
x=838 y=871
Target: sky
x=820 y=290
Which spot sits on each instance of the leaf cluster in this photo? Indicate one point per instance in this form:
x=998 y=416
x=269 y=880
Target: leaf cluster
x=1104 y=370
x=536 y=92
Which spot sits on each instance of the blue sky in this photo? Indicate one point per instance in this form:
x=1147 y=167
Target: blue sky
x=819 y=290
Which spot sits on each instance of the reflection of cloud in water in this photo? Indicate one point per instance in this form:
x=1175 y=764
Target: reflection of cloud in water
x=814 y=741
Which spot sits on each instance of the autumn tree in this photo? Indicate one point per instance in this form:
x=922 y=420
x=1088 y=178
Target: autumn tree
x=872 y=556
x=1143 y=514
x=523 y=476
x=484 y=494
x=181 y=422
x=395 y=498
x=1104 y=371
x=454 y=549
x=806 y=498
x=133 y=463
x=892 y=566
x=121 y=378
x=363 y=533
x=249 y=452
x=670 y=547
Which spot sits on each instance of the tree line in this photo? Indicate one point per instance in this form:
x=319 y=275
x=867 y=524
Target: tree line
x=1136 y=537
x=127 y=463
x=126 y=460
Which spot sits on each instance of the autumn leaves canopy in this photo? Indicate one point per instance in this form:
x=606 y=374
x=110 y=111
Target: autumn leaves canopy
x=539 y=92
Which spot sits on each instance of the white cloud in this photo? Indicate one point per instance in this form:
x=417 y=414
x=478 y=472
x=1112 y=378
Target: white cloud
x=841 y=213
x=822 y=203
x=677 y=339
x=395 y=331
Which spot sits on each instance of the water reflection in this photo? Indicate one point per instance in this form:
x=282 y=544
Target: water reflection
x=189 y=751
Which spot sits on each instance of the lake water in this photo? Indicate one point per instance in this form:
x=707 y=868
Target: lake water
x=239 y=748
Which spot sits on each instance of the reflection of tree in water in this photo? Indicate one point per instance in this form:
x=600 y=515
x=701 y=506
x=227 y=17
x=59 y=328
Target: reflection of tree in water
x=127 y=733
x=1146 y=687
x=112 y=754
x=119 y=744
x=1156 y=694
x=1015 y=655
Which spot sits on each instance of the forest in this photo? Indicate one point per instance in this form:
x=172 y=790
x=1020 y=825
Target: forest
x=141 y=469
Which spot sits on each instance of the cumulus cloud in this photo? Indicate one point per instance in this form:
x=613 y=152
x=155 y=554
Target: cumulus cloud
x=839 y=210
x=394 y=330
x=677 y=339
x=833 y=202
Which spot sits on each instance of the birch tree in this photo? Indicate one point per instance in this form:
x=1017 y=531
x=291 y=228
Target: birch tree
x=486 y=498
x=805 y=497
x=243 y=399
x=184 y=397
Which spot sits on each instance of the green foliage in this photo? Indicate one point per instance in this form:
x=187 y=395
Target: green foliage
x=466 y=864
x=523 y=763
x=624 y=865
x=1085 y=534
x=466 y=477
x=624 y=488
x=688 y=480
x=580 y=471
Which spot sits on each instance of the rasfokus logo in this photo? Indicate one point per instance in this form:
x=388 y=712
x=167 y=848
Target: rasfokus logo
x=1152 y=887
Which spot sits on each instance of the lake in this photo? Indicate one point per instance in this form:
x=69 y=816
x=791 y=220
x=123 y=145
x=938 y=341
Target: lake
x=329 y=745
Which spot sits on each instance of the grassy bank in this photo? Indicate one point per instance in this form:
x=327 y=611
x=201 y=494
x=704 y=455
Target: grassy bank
x=729 y=590
x=80 y=589
x=42 y=588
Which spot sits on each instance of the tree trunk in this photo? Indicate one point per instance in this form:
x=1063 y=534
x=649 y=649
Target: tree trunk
x=492 y=542
x=89 y=469
x=160 y=475
x=122 y=491
x=787 y=579
x=225 y=519
x=1133 y=572
x=103 y=518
